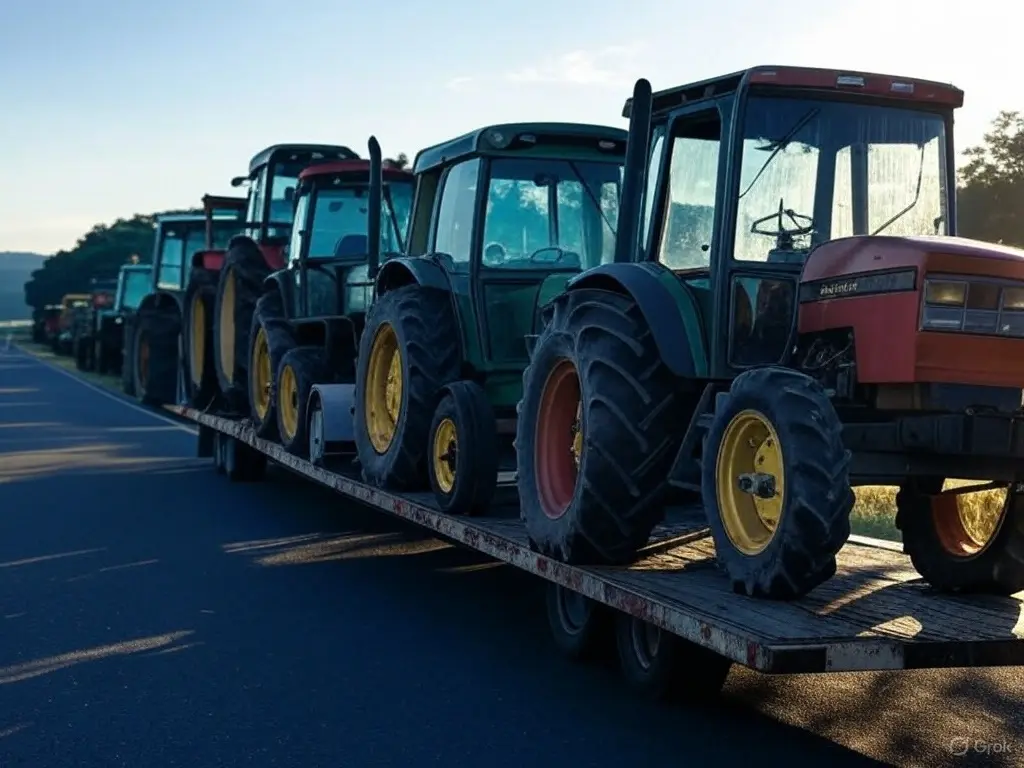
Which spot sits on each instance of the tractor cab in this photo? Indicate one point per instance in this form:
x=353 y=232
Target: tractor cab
x=273 y=179
x=183 y=239
x=768 y=188
x=133 y=284
x=509 y=213
x=329 y=251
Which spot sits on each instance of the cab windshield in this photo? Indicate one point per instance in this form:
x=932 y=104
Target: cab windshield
x=135 y=287
x=550 y=213
x=813 y=171
x=340 y=219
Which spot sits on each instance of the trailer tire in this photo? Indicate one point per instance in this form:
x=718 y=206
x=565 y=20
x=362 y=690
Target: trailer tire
x=272 y=337
x=410 y=332
x=947 y=554
x=581 y=628
x=300 y=369
x=243 y=464
x=197 y=336
x=462 y=458
x=155 y=356
x=239 y=288
x=664 y=666
x=599 y=427
x=218 y=452
x=128 y=355
x=785 y=419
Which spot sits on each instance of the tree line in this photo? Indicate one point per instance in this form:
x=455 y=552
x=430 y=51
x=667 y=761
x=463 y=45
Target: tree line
x=990 y=202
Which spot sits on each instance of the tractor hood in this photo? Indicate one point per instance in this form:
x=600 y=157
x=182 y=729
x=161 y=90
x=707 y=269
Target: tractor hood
x=936 y=255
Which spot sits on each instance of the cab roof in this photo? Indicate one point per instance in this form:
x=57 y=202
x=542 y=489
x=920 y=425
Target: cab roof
x=812 y=78
x=482 y=140
x=325 y=152
x=353 y=167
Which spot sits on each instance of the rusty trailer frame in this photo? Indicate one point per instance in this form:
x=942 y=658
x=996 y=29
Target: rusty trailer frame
x=875 y=614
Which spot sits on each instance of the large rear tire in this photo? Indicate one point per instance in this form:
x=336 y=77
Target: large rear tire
x=272 y=337
x=776 y=434
x=197 y=335
x=155 y=357
x=957 y=551
x=408 y=352
x=239 y=288
x=599 y=425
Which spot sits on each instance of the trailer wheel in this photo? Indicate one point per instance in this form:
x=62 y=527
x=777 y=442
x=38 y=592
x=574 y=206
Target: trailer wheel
x=776 y=484
x=957 y=549
x=219 y=444
x=317 y=439
x=581 y=628
x=300 y=369
x=664 y=666
x=197 y=334
x=599 y=425
x=239 y=288
x=155 y=357
x=242 y=464
x=272 y=337
x=408 y=352
x=463 y=457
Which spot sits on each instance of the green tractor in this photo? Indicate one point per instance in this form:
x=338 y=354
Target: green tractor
x=133 y=283
x=788 y=316
x=502 y=218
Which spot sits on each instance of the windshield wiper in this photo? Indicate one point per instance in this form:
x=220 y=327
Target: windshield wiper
x=781 y=144
x=917 y=197
x=590 y=194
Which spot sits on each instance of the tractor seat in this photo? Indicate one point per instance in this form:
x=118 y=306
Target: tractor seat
x=351 y=245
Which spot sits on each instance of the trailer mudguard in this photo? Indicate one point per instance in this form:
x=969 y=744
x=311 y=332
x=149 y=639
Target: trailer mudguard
x=669 y=308
x=337 y=402
x=405 y=270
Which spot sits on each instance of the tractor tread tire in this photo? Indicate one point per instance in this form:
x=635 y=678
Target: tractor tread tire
x=428 y=340
x=310 y=366
x=161 y=328
x=245 y=262
x=270 y=314
x=998 y=569
x=634 y=416
x=815 y=521
x=202 y=287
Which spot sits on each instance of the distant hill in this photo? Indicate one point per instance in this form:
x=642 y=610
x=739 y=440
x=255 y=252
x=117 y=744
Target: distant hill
x=15 y=270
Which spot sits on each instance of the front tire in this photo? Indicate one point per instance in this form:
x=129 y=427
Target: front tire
x=463 y=457
x=956 y=553
x=272 y=337
x=599 y=425
x=300 y=369
x=776 y=434
x=197 y=333
x=408 y=352
x=155 y=357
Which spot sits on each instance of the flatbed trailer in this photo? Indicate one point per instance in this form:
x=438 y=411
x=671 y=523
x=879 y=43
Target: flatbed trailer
x=875 y=614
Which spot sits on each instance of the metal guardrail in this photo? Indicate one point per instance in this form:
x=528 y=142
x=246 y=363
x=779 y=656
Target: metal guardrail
x=4 y=324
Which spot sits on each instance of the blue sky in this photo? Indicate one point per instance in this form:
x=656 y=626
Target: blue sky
x=114 y=107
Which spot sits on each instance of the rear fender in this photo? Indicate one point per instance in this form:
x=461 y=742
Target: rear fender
x=404 y=270
x=212 y=260
x=669 y=308
x=282 y=282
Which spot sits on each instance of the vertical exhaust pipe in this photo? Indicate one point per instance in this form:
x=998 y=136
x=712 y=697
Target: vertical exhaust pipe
x=374 y=204
x=634 y=173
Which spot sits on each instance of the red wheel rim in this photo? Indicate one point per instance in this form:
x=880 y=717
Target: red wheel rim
x=555 y=466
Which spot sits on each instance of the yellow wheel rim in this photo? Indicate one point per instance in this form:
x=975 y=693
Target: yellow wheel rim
x=197 y=349
x=577 y=436
x=288 y=402
x=261 y=374
x=750 y=445
x=382 y=402
x=446 y=446
x=226 y=327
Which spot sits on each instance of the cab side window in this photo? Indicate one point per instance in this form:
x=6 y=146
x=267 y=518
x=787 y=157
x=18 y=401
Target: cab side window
x=453 y=231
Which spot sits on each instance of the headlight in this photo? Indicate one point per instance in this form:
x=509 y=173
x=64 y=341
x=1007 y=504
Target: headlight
x=973 y=306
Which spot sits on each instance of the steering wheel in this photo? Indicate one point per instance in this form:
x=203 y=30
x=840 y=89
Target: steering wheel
x=803 y=225
x=495 y=253
x=550 y=254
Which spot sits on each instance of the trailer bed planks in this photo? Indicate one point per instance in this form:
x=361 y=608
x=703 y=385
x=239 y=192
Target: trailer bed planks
x=874 y=614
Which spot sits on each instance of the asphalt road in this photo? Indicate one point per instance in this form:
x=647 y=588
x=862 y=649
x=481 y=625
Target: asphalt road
x=152 y=614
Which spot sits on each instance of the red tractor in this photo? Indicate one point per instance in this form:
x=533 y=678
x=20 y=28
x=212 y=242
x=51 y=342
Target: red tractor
x=789 y=315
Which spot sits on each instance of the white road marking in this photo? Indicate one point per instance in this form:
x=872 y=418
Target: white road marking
x=110 y=395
